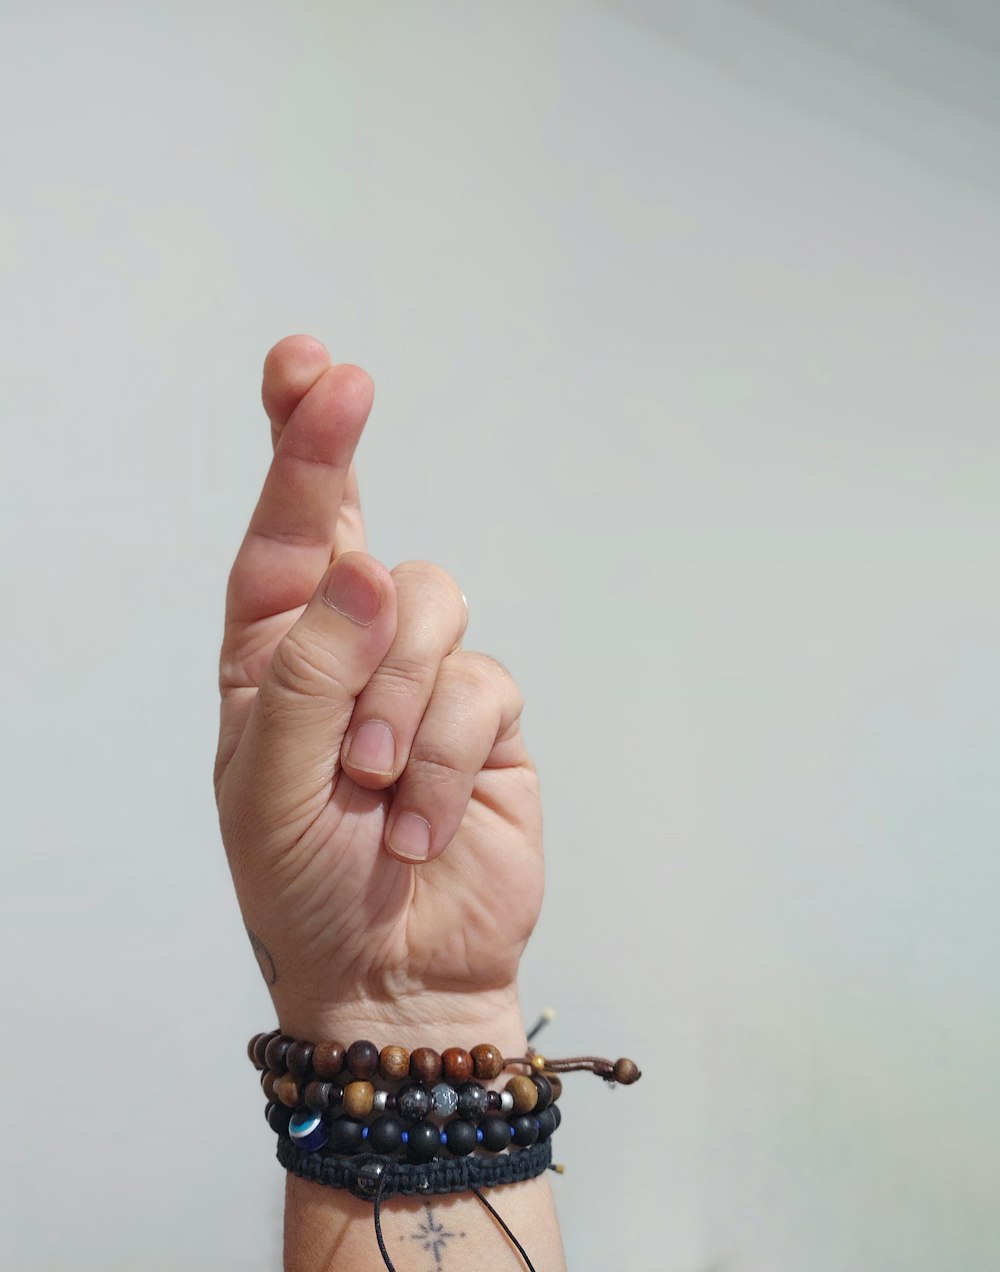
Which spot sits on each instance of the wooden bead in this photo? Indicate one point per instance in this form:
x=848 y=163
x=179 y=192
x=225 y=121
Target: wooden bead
x=486 y=1061
x=267 y=1082
x=362 y=1060
x=299 y=1058
x=425 y=1065
x=456 y=1065
x=260 y=1046
x=523 y=1092
x=626 y=1071
x=537 y=1062
x=275 y=1052
x=286 y=1089
x=358 y=1099
x=555 y=1082
x=250 y=1049
x=394 y=1062
x=316 y=1096
x=328 y=1059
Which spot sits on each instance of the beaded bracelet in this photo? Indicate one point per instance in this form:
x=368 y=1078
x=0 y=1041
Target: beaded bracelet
x=326 y=1060
x=420 y=1140
x=522 y=1094
x=497 y=1137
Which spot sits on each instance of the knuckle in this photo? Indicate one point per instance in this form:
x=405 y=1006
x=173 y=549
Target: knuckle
x=480 y=671
x=304 y=667
x=404 y=676
x=428 y=577
x=434 y=765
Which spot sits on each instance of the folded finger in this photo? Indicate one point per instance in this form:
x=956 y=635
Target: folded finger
x=430 y=622
x=475 y=703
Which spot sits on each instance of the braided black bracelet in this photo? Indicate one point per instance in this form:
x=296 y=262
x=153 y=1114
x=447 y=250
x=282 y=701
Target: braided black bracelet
x=367 y=1175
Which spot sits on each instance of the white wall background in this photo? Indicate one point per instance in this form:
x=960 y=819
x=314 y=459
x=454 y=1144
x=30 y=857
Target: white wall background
x=683 y=320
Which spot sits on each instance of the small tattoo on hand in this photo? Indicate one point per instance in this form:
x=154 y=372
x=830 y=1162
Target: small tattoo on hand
x=264 y=958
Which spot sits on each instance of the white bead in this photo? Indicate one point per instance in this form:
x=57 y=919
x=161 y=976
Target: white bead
x=378 y=1101
x=506 y=1102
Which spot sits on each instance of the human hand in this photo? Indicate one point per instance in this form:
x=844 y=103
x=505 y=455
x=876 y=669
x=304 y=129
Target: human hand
x=354 y=938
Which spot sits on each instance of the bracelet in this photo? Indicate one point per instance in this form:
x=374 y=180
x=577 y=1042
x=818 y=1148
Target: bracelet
x=497 y=1137
x=311 y=1131
x=279 y=1053
x=370 y=1175
x=522 y=1094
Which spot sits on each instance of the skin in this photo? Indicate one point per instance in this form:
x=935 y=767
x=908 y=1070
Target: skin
x=355 y=935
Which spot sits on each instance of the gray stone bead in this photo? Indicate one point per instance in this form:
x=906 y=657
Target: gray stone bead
x=444 y=1099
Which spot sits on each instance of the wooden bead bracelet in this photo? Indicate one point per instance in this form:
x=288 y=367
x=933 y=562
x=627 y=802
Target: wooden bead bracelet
x=279 y=1054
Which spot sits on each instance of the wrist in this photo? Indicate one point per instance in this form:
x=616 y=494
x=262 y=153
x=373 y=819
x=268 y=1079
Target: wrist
x=424 y=1019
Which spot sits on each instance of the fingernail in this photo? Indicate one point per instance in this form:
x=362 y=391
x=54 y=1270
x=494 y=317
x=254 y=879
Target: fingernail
x=411 y=837
x=373 y=748
x=353 y=593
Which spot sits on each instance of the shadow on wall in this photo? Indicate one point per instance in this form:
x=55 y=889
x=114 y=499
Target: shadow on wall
x=918 y=75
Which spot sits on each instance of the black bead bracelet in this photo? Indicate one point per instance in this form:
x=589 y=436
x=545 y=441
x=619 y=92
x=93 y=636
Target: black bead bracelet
x=419 y=1141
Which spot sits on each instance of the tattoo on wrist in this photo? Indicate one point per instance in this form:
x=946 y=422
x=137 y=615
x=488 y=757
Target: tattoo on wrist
x=265 y=958
x=434 y=1235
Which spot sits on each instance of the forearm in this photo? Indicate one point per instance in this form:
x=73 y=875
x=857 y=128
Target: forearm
x=328 y=1228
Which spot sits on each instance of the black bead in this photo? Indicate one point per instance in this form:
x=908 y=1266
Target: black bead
x=493 y=1102
x=557 y=1113
x=345 y=1135
x=525 y=1129
x=460 y=1137
x=413 y=1103
x=278 y=1117
x=385 y=1135
x=424 y=1141
x=496 y=1133
x=368 y=1177
x=544 y=1088
x=362 y=1060
x=471 y=1101
x=547 y=1122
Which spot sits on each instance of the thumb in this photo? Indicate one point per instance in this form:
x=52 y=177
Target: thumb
x=289 y=753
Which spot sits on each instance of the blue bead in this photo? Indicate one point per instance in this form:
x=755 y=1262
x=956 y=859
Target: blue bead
x=364 y=1133
x=442 y=1136
x=307 y=1130
x=405 y=1137
x=512 y=1132
x=479 y=1134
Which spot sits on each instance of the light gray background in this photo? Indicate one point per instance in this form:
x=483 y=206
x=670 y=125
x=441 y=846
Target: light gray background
x=682 y=318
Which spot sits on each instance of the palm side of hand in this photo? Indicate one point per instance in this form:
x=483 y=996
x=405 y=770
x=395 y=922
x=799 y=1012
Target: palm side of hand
x=334 y=917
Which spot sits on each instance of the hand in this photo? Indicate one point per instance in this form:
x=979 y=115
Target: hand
x=359 y=924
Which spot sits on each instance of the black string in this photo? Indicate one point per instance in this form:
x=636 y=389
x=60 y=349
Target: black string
x=520 y=1248
x=390 y=1266
x=378 y=1222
